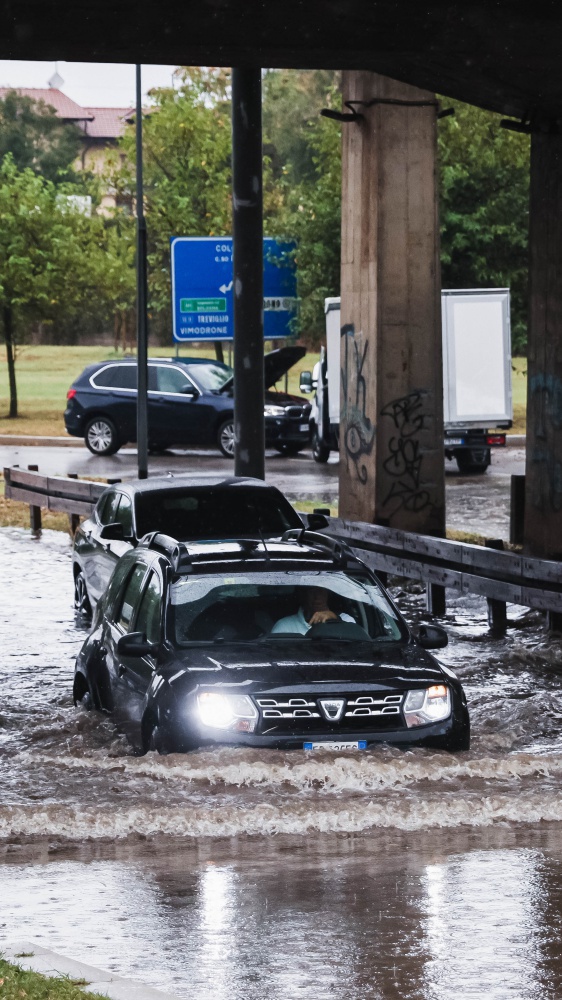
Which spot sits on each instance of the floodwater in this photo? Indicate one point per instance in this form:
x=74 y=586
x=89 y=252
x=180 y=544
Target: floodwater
x=230 y=873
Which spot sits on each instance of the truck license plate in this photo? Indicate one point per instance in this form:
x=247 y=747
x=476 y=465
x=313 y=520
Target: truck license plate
x=453 y=441
x=337 y=745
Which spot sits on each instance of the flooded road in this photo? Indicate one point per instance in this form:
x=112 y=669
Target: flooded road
x=228 y=873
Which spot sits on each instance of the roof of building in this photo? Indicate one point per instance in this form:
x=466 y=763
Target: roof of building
x=64 y=106
x=107 y=123
x=96 y=123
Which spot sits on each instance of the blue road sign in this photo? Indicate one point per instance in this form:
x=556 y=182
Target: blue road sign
x=202 y=299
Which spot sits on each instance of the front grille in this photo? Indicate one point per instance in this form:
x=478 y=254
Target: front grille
x=287 y=714
x=297 y=412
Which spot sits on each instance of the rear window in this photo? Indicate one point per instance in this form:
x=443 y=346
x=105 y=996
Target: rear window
x=209 y=513
x=116 y=377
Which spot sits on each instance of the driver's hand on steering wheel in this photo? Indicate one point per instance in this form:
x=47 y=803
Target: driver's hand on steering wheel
x=322 y=616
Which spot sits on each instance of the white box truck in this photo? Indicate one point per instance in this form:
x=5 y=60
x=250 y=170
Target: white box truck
x=476 y=377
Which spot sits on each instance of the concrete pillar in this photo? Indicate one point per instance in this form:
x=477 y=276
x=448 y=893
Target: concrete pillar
x=391 y=429
x=543 y=474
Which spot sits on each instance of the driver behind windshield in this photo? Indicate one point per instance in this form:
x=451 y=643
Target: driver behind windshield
x=314 y=610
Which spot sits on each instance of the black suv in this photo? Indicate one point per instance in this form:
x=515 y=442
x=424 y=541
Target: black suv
x=190 y=402
x=287 y=643
x=185 y=507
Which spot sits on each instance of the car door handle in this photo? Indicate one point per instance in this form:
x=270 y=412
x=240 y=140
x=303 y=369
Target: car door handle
x=121 y=670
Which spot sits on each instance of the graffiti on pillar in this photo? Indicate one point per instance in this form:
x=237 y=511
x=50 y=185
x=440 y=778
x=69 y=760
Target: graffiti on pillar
x=404 y=461
x=546 y=392
x=359 y=431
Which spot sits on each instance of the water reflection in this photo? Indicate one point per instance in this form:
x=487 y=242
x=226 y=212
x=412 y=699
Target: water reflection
x=480 y=922
x=338 y=919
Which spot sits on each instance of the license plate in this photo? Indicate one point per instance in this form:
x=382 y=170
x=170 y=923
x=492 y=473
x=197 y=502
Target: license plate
x=449 y=441
x=303 y=428
x=337 y=745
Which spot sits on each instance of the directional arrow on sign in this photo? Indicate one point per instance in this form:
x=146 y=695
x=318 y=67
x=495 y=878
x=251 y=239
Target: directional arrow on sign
x=225 y=288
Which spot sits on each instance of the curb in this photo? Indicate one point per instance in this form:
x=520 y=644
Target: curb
x=47 y=442
x=23 y=440
x=34 y=958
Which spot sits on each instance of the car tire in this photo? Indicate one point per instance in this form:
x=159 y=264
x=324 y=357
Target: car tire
x=289 y=449
x=320 y=451
x=82 y=604
x=101 y=436
x=225 y=438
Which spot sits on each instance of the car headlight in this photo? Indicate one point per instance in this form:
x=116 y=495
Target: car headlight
x=274 y=411
x=227 y=711
x=427 y=705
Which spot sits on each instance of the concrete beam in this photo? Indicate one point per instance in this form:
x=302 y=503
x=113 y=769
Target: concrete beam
x=391 y=431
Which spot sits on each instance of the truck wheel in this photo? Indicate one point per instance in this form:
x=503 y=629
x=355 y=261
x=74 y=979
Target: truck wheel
x=320 y=451
x=101 y=436
x=473 y=460
x=225 y=438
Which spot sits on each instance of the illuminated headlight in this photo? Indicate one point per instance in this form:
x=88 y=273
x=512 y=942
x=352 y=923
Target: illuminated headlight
x=274 y=411
x=428 y=705
x=221 y=711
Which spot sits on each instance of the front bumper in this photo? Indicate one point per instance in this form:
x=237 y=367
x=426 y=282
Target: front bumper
x=285 y=430
x=451 y=734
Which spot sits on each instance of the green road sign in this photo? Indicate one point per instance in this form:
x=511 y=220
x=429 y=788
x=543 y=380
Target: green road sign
x=202 y=305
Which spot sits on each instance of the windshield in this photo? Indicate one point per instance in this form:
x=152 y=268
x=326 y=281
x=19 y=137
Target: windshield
x=208 y=512
x=280 y=606
x=210 y=377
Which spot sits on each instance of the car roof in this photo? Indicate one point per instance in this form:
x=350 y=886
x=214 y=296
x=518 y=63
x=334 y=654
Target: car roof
x=172 y=482
x=297 y=549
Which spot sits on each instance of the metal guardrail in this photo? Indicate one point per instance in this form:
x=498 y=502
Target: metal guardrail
x=459 y=566
x=75 y=497
x=500 y=577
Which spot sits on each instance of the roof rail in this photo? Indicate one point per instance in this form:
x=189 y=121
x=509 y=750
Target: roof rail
x=176 y=551
x=341 y=552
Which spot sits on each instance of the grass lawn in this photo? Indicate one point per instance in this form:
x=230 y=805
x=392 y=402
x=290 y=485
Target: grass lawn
x=15 y=983
x=44 y=375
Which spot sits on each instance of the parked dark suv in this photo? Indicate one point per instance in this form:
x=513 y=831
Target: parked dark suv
x=190 y=402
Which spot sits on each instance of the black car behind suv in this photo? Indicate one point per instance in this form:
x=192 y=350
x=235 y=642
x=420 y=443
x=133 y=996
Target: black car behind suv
x=183 y=506
x=190 y=402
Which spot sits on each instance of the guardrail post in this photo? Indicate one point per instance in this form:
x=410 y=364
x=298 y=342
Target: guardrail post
x=74 y=519
x=517 y=510
x=34 y=512
x=436 y=599
x=497 y=610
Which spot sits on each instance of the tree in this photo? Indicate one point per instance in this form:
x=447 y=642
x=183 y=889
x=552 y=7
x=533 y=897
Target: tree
x=36 y=137
x=484 y=192
x=55 y=261
x=187 y=179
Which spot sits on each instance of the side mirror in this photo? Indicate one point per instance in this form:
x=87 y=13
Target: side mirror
x=135 y=644
x=317 y=521
x=306 y=382
x=189 y=390
x=113 y=532
x=432 y=637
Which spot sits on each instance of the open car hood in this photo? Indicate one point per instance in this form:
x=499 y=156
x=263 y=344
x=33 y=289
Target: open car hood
x=275 y=364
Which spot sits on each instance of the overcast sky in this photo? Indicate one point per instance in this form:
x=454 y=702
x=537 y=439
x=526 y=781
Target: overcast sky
x=89 y=84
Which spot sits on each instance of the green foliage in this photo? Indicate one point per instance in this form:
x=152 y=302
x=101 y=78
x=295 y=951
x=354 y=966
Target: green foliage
x=309 y=210
x=484 y=188
x=36 y=138
x=187 y=184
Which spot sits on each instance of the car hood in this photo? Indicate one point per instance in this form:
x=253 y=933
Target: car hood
x=301 y=661
x=275 y=365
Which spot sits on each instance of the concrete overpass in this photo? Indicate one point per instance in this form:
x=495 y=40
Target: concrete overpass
x=506 y=57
